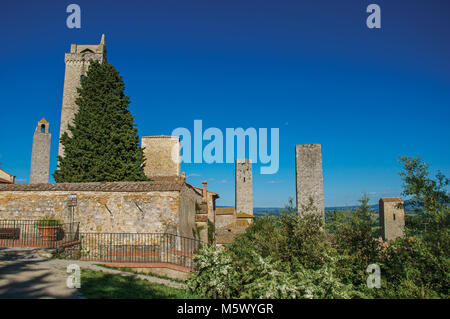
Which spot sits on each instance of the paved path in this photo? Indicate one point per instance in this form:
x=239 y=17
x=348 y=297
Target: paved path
x=28 y=273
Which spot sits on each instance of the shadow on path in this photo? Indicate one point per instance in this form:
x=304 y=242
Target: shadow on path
x=26 y=276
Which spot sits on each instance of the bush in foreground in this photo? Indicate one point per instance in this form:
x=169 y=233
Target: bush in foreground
x=288 y=256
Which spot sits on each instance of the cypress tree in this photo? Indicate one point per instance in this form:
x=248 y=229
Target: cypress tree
x=104 y=144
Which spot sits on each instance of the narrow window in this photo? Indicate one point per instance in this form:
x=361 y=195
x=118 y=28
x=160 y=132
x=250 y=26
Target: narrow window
x=244 y=179
x=42 y=128
x=394 y=216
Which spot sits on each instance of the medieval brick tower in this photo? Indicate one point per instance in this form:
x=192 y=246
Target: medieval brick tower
x=244 y=187
x=77 y=63
x=308 y=170
x=392 y=217
x=40 y=155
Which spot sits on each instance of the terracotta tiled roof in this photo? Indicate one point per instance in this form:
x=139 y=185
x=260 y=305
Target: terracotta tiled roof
x=161 y=136
x=161 y=183
x=200 y=191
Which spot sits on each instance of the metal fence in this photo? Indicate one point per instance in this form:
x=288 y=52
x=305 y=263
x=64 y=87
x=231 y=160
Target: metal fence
x=37 y=234
x=137 y=248
x=129 y=248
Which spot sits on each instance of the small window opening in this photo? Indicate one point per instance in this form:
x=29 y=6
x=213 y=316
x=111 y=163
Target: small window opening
x=244 y=179
x=394 y=216
x=42 y=128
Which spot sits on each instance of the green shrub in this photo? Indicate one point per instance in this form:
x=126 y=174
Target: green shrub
x=284 y=256
x=355 y=241
x=291 y=255
x=287 y=237
x=276 y=280
x=215 y=276
x=48 y=221
x=410 y=269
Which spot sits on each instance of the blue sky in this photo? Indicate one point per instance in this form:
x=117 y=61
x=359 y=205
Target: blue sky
x=310 y=68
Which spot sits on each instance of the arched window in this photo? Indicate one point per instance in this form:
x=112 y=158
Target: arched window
x=86 y=51
x=42 y=128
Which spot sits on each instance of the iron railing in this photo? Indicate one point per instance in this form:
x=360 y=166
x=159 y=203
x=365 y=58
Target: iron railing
x=131 y=248
x=37 y=234
x=137 y=248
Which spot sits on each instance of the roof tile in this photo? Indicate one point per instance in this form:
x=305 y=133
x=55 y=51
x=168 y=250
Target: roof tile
x=160 y=183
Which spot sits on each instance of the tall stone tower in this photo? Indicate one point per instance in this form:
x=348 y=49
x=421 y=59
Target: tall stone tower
x=308 y=170
x=392 y=217
x=244 y=187
x=40 y=155
x=77 y=64
x=162 y=155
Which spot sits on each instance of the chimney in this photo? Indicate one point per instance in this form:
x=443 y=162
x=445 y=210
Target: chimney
x=205 y=195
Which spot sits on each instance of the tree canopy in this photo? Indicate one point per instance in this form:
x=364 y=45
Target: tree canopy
x=103 y=144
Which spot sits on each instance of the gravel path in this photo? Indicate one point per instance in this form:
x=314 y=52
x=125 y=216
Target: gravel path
x=30 y=273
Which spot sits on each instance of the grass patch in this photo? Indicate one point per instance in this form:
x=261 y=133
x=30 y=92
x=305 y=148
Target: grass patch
x=100 y=285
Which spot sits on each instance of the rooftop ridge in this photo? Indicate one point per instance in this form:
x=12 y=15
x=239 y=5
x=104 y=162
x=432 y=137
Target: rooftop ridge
x=169 y=183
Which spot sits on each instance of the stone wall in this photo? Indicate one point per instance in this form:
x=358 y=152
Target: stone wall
x=165 y=205
x=211 y=202
x=225 y=219
x=229 y=223
x=392 y=217
x=162 y=155
x=201 y=220
x=147 y=212
x=309 y=179
x=188 y=201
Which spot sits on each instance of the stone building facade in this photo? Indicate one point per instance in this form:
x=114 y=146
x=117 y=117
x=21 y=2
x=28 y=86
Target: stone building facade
x=6 y=178
x=234 y=220
x=225 y=218
x=208 y=198
x=225 y=225
x=243 y=215
x=392 y=217
x=164 y=205
x=40 y=155
x=309 y=179
x=244 y=186
x=162 y=155
x=162 y=158
x=206 y=210
x=77 y=64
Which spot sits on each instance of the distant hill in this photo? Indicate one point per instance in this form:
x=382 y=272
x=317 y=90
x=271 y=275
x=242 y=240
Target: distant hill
x=261 y=211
